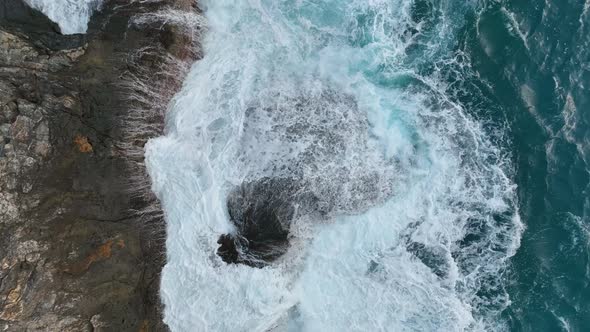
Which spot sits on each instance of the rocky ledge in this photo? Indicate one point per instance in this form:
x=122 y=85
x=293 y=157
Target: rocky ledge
x=82 y=238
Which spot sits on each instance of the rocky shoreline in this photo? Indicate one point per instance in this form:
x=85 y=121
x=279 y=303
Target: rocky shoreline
x=82 y=236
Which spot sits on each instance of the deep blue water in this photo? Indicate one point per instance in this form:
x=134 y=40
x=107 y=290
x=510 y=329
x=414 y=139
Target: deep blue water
x=541 y=88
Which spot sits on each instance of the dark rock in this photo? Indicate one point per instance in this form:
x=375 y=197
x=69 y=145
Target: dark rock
x=228 y=249
x=262 y=212
x=432 y=257
x=19 y=18
x=75 y=255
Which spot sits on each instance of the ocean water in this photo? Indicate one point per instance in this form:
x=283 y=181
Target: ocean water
x=374 y=109
x=444 y=143
x=538 y=69
x=72 y=16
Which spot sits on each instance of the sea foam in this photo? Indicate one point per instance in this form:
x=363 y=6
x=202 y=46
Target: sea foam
x=72 y=16
x=421 y=212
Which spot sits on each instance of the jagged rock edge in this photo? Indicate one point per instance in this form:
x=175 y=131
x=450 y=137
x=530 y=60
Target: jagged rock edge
x=149 y=95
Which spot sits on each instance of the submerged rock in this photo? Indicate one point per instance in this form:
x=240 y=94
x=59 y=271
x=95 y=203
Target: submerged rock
x=262 y=212
x=433 y=257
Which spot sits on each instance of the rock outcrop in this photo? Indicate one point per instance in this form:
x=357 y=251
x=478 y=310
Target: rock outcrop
x=81 y=235
x=261 y=212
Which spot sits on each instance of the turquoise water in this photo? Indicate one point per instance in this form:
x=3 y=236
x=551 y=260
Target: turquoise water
x=443 y=143
x=541 y=87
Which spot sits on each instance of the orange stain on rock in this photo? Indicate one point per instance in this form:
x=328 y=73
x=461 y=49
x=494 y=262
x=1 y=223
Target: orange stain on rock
x=83 y=144
x=144 y=327
x=103 y=252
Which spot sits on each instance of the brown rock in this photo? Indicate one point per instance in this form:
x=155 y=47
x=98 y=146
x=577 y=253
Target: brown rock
x=75 y=255
x=12 y=307
x=82 y=144
x=104 y=251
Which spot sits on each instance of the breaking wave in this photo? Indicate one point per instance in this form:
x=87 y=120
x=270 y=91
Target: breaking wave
x=395 y=204
x=72 y=16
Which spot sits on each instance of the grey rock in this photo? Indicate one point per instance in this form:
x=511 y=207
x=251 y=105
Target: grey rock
x=8 y=149
x=26 y=108
x=21 y=129
x=5 y=130
x=10 y=111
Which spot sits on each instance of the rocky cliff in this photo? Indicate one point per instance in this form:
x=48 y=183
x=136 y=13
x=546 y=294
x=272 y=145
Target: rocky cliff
x=82 y=238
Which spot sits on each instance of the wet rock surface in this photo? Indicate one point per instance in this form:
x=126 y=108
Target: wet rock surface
x=74 y=254
x=262 y=212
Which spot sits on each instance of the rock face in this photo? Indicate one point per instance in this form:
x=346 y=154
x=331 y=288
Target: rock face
x=81 y=236
x=262 y=212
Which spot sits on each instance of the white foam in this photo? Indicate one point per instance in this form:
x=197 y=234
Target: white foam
x=514 y=26
x=72 y=16
x=440 y=179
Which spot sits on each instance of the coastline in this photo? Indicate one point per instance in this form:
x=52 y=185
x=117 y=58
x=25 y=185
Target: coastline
x=84 y=237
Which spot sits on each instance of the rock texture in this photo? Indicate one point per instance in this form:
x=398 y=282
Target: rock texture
x=262 y=212
x=81 y=235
